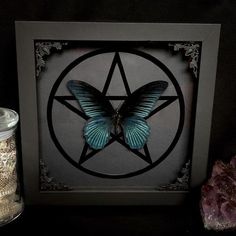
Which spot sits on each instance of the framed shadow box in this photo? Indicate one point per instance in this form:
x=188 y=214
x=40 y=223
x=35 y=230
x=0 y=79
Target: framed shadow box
x=115 y=113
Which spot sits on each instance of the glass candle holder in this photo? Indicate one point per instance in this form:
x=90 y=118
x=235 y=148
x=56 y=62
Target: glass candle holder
x=11 y=203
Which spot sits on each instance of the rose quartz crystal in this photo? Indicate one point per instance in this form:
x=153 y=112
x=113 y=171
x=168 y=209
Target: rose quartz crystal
x=218 y=197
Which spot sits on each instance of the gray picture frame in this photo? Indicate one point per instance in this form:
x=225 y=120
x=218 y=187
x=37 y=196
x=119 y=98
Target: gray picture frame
x=26 y=32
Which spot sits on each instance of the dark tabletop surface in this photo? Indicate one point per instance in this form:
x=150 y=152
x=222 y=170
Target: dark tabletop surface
x=109 y=220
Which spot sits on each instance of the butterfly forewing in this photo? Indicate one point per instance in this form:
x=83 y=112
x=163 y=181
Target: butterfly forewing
x=91 y=100
x=141 y=101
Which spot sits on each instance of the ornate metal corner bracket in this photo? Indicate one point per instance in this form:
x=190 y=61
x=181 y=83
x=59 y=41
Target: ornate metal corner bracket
x=192 y=51
x=181 y=183
x=48 y=183
x=42 y=50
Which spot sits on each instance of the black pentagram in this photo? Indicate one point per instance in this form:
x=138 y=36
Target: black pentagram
x=86 y=152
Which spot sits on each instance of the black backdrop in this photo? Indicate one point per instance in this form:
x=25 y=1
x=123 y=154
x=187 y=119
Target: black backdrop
x=223 y=135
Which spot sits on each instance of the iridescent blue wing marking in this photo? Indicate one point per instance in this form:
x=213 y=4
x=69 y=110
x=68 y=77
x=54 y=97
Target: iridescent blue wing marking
x=97 y=132
x=136 y=131
x=134 y=110
x=91 y=100
x=97 y=107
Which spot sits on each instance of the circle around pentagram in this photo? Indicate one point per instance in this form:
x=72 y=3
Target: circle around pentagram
x=92 y=54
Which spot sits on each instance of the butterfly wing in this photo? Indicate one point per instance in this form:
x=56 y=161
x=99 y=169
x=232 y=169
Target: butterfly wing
x=91 y=100
x=134 y=110
x=100 y=111
x=141 y=101
x=136 y=131
x=97 y=132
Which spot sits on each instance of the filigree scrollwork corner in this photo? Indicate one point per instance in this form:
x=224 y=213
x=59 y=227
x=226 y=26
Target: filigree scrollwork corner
x=42 y=50
x=182 y=181
x=48 y=183
x=192 y=51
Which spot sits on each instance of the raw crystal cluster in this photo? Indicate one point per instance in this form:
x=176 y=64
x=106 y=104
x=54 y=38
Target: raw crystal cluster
x=218 y=197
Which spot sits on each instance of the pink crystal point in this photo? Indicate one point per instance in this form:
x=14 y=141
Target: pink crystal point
x=218 y=197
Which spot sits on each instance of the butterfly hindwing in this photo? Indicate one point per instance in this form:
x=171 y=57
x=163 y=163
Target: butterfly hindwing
x=97 y=132
x=91 y=100
x=136 y=131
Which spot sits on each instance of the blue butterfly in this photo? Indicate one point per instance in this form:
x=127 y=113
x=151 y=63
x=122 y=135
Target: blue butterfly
x=128 y=117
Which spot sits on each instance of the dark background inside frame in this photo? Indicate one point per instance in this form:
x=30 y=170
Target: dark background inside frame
x=223 y=135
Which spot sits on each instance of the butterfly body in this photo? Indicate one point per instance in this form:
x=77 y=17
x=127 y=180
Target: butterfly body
x=116 y=119
x=129 y=117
